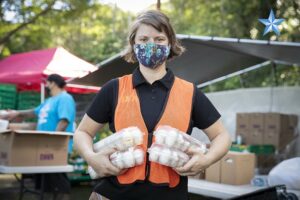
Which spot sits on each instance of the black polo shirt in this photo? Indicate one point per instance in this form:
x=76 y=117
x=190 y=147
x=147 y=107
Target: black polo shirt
x=153 y=98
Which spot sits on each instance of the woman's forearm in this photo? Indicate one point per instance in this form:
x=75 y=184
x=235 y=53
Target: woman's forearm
x=219 y=147
x=83 y=143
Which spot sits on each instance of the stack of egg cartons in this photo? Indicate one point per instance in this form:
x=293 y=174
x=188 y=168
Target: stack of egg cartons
x=126 y=143
x=171 y=146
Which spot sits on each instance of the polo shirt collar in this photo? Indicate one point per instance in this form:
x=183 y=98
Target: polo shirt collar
x=166 y=81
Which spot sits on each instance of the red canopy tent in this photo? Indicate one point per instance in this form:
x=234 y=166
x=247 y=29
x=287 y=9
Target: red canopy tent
x=29 y=70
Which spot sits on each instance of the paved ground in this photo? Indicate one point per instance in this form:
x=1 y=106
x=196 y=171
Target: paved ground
x=9 y=190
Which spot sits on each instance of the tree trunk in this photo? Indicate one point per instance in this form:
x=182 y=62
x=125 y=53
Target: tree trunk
x=158 y=5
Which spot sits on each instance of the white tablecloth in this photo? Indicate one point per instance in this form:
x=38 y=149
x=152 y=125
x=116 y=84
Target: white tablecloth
x=218 y=190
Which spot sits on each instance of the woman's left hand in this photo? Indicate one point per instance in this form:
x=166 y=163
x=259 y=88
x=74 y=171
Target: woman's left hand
x=197 y=164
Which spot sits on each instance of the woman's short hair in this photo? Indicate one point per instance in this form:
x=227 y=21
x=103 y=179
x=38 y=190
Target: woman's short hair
x=160 y=22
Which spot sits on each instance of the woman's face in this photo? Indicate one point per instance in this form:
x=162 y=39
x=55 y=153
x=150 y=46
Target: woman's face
x=146 y=33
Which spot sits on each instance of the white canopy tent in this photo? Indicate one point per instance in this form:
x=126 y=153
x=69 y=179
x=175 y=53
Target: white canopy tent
x=206 y=60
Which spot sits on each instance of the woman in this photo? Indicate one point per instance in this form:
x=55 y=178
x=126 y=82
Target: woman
x=149 y=97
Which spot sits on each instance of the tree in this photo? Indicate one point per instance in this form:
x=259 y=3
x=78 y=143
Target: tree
x=239 y=19
x=89 y=29
x=26 y=22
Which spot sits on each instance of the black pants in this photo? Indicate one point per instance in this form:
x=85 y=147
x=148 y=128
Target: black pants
x=54 y=182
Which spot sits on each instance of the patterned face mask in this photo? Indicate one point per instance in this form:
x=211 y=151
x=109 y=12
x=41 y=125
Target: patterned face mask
x=151 y=55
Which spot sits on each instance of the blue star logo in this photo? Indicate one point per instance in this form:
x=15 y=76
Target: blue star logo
x=271 y=23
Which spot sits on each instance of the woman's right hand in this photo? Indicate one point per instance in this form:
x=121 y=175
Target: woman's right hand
x=102 y=165
x=9 y=115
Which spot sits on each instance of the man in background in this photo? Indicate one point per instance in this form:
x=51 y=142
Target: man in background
x=57 y=113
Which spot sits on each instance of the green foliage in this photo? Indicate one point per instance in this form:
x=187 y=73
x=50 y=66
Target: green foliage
x=88 y=29
x=95 y=31
x=239 y=19
x=264 y=77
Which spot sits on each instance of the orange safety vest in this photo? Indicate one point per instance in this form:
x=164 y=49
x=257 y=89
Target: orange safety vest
x=177 y=114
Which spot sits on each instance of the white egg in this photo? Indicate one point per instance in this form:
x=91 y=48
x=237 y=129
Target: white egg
x=119 y=145
x=138 y=137
x=92 y=173
x=185 y=146
x=180 y=139
x=171 y=138
x=162 y=134
x=165 y=156
x=175 y=155
x=177 y=145
x=159 y=139
x=120 y=162
x=128 y=140
x=173 y=159
x=138 y=156
x=154 y=153
x=180 y=163
x=128 y=159
x=172 y=163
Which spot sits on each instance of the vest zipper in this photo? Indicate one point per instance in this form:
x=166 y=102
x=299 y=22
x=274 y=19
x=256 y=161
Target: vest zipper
x=150 y=136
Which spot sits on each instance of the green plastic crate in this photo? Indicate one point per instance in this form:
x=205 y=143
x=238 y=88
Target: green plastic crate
x=261 y=149
x=8 y=95
x=238 y=148
x=4 y=106
x=8 y=87
x=29 y=96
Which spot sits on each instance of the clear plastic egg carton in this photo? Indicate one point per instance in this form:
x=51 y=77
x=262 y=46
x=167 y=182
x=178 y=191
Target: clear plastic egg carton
x=127 y=159
x=122 y=140
x=123 y=160
x=173 y=138
x=167 y=156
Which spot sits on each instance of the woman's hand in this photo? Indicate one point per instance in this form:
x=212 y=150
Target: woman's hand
x=220 y=144
x=9 y=115
x=197 y=164
x=102 y=165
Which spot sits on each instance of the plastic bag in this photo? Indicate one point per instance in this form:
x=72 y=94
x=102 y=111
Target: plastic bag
x=287 y=173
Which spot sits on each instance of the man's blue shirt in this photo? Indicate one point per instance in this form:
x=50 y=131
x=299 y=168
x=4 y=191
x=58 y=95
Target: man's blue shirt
x=54 y=109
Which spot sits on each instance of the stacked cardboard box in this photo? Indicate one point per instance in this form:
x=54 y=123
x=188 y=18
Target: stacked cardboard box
x=22 y=126
x=266 y=128
x=235 y=168
x=33 y=148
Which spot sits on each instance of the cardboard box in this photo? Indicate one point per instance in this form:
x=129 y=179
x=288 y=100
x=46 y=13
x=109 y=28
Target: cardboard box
x=242 y=127
x=273 y=128
x=33 y=148
x=265 y=163
x=256 y=128
x=22 y=126
x=213 y=172
x=279 y=129
x=292 y=124
x=237 y=168
x=3 y=124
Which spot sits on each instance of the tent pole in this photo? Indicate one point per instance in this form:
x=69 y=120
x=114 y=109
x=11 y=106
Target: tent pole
x=274 y=74
x=42 y=92
x=241 y=81
x=234 y=74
